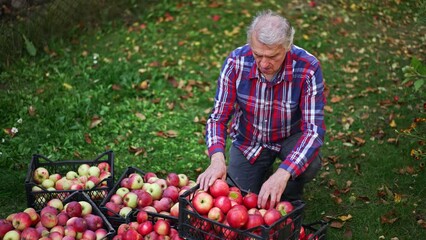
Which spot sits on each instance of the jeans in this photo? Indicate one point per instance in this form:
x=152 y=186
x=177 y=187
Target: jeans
x=250 y=177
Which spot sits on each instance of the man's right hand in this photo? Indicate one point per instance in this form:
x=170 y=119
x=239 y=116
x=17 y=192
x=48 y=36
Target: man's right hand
x=217 y=169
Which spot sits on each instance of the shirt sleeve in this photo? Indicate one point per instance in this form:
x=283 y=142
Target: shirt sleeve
x=216 y=126
x=312 y=102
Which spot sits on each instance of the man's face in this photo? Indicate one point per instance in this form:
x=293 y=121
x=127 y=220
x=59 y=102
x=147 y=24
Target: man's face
x=268 y=58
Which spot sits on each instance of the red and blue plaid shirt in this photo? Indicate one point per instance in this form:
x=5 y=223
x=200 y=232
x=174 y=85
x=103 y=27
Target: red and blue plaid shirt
x=264 y=113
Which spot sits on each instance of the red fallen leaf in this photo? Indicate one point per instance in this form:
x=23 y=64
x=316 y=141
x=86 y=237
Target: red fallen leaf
x=168 y=17
x=87 y=138
x=215 y=18
x=312 y=4
x=95 y=122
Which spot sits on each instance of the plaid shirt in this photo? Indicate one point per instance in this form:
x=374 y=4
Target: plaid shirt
x=265 y=113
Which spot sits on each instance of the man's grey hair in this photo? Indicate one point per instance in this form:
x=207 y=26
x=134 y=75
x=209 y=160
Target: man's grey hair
x=271 y=28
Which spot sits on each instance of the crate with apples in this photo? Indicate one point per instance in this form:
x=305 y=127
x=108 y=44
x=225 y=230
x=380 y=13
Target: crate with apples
x=148 y=191
x=144 y=225
x=76 y=217
x=225 y=211
x=47 y=179
x=313 y=231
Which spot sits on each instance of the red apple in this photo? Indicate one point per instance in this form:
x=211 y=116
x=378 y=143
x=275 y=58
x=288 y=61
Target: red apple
x=104 y=167
x=49 y=209
x=101 y=233
x=79 y=224
x=284 y=207
x=202 y=202
x=94 y=222
x=73 y=209
x=145 y=228
x=237 y=216
x=55 y=236
x=223 y=202
x=174 y=210
x=154 y=189
x=112 y=208
x=148 y=175
x=117 y=199
x=219 y=188
x=236 y=196
x=21 y=221
x=40 y=174
x=131 y=234
x=144 y=199
x=216 y=214
x=89 y=235
x=162 y=227
x=49 y=220
x=172 y=179
x=171 y=192
x=142 y=216
x=135 y=181
x=35 y=217
x=122 y=228
x=271 y=216
x=5 y=226
x=254 y=220
x=183 y=179
x=164 y=204
x=12 y=235
x=130 y=200
x=162 y=182
x=30 y=234
x=250 y=200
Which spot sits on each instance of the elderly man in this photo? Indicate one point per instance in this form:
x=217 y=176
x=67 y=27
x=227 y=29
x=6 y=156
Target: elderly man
x=274 y=93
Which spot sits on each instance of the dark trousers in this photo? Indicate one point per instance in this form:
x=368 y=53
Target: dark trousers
x=250 y=177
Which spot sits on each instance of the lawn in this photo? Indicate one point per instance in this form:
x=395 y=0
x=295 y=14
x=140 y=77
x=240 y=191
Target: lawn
x=143 y=85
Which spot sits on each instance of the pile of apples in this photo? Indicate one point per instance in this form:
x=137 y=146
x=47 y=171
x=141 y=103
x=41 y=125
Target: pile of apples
x=149 y=193
x=85 y=177
x=143 y=228
x=227 y=205
x=74 y=220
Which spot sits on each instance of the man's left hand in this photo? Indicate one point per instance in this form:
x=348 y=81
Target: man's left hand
x=273 y=188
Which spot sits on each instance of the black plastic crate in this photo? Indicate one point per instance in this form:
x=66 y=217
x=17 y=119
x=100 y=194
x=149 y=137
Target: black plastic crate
x=82 y=196
x=192 y=225
x=318 y=230
x=114 y=218
x=39 y=199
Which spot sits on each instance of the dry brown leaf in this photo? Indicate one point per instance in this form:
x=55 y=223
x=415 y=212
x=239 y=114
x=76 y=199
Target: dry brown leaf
x=95 y=122
x=87 y=138
x=336 y=99
x=31 y=111
x=140 y=116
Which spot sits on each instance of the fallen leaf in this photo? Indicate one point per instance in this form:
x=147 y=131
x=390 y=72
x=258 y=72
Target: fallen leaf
x=31 y=111
x=136 y=150
x=95 y=122
x=67 y=86
x=87 y=138
x=140 y=116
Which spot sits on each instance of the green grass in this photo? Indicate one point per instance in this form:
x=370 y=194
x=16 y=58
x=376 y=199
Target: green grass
x=362 y=47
